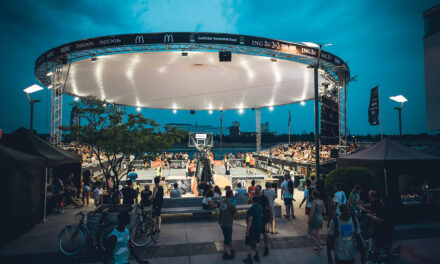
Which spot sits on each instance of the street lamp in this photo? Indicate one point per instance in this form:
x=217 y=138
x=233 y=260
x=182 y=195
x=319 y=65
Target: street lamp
x=316 y=67
x=400 y=99
x=32 y=89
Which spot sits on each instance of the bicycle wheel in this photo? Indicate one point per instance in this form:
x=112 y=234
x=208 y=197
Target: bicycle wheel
x=71 y=240
x=141 y=234
x=103 y=236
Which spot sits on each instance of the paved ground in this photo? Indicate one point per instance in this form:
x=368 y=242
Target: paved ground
x=185 y=240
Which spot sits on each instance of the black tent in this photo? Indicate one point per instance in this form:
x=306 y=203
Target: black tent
x=60 y=161
x=401 y=167
x=23 y=178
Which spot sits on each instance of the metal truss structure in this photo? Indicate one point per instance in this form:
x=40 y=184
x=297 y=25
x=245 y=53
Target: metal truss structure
x=56 y=107
x=335 y=71
x=258 y=128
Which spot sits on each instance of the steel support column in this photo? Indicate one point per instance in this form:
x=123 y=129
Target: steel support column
x=258 y=127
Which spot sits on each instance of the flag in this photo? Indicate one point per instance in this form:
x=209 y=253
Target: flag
x=373 y=109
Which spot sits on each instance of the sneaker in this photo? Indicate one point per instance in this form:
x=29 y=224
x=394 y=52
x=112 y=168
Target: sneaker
x=226 y=256
x=266 y=251
x=257 y=258
x=293 y=217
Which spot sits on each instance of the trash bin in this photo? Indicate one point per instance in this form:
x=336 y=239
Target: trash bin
x=302 y=183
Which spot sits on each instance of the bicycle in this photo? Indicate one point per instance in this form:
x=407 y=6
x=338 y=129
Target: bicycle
x=146 y=229
x=74 y=237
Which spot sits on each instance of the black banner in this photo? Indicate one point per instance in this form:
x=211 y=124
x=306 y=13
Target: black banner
x=373 y=109
x=171 y=38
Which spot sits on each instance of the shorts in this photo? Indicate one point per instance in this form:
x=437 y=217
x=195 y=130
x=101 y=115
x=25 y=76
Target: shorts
x=247 y=164
x=308 y=210
x=227 y=235
x=288 y=201
x=228 y=173
x=157 y=211
x=86 y=188
x=253 y=238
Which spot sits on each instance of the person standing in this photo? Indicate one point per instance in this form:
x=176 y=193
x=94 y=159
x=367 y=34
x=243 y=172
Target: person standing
x=308 y=198
x=129 y=194
x=97 y=194
x=354 y=199
x=287 y=195
x=59 y=192
x=157 y=201
x=248 y=162
x=315 y=219
x=118 y=245
x=271 y=196
x=251 y=189
x=86 y=187
x=253 y=230
x=227 y=214
x=338 y=199
x=266 y=217
x=240 y=190
x=146 y=196
x=133 y=177
x=342 y=235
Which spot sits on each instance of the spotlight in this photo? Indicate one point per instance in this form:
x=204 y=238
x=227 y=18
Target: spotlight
x=105 y=105
x=174 y=111
x=138 y=109
x=93 y=59
x=240 y=111
x=270 y=108
x=184 y=53
x=49 y=74
x=303 y=103
x=210 y=112
x=76 y=98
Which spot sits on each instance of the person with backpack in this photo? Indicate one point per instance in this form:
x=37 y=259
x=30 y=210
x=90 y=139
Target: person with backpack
x=343 y=237
x=338 y=199
x=157 y=201
x=287 y=195
x=227 y=214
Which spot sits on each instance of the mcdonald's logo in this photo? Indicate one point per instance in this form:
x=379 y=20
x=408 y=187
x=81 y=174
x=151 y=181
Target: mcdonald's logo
x=168 y=38
x=139 y=39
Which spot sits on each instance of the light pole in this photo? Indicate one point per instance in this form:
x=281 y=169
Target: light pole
x=32 y=89
x=400 y=99
x=221 y=133
x=316 y=67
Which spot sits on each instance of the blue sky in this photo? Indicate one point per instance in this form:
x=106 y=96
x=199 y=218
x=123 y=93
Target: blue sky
x=382 y=40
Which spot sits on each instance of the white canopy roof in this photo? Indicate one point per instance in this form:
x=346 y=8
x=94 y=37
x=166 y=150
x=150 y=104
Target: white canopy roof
x=199 y=81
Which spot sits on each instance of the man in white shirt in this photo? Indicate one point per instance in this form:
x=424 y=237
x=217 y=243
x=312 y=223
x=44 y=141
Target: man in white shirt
x=338 y=199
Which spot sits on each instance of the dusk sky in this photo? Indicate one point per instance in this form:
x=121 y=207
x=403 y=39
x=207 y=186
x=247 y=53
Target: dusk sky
x=382 y=40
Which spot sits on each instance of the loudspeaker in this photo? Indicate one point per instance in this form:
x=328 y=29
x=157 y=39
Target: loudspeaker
x=192 y=112
x=225 y=56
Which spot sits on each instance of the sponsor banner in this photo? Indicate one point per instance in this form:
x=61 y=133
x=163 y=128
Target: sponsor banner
x=373 y=109
x=187 y=38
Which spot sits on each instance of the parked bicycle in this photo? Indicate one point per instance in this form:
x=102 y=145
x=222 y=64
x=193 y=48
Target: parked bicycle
x=145 y=229
x=73 y=238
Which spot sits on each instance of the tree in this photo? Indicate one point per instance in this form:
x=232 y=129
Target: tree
x=111 y=132
x=349 y=176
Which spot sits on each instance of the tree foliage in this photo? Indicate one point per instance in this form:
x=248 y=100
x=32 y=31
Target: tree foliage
x=349 y=176
x=111 y=132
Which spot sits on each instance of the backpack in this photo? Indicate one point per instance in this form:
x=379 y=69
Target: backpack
x=331 y=239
